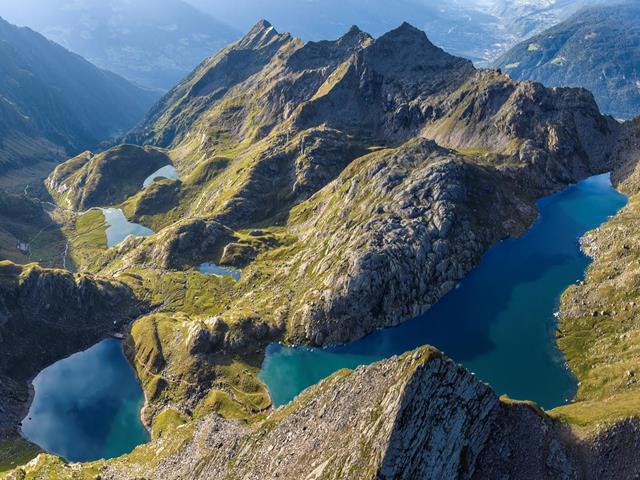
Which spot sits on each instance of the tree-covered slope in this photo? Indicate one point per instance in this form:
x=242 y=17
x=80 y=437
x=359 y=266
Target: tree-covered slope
x=54 y=103
x=598 y=49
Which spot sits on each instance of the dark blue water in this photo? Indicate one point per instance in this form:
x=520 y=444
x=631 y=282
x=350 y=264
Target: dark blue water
x=87 y=406
x=499 y=322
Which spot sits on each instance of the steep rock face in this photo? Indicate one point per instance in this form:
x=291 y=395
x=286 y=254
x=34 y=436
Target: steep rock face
x=46 y=315
x=169 y=120
x=380 y=89
x=555 y=135
x=392 y=235
x=417 y=416
x=108 y=178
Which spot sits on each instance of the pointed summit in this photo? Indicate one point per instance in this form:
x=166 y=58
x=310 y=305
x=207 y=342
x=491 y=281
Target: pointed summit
x=261 y=34
x=405 y=54
x=354 y=38
x=406 y=33
x=262 y=25
x=408 y=27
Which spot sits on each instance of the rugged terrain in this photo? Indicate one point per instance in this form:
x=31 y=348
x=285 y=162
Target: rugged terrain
x=418 y=416
x=354 y=182
x=598 y=49
x=46 y=315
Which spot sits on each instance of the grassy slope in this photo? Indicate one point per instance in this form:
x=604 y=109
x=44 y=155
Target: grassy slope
x=600 y=324
x=16 y=452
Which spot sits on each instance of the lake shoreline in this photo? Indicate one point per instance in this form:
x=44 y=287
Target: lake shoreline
x=589 y=188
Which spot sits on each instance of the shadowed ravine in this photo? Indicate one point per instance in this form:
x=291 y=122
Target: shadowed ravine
x=499 y=322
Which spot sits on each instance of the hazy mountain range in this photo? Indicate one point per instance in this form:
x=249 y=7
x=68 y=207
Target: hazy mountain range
x=476 y=29
x=153 y=43
x=598 y=49
x=53 y=103
x=156 y=43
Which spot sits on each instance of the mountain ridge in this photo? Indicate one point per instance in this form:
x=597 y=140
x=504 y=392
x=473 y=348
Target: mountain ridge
x=352 y=194
x=56 y=102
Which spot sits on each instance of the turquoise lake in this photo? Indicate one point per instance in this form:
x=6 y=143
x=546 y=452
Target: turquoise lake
x=168 y=171
x=87 y=406
x=500 y=320
x=119 y=228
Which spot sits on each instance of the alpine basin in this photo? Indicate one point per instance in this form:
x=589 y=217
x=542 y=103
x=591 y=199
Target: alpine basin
x=499 y=322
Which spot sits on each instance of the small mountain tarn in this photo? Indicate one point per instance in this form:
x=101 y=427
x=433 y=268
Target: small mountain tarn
x=87 y=406
x=168 y=171
x=119 y=228
x=213 y=269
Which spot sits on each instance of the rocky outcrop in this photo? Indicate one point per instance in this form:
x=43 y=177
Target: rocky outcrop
x=183 y=244
x=392 y=235
x=417 y=416
x=46 y=315
x=108 y=178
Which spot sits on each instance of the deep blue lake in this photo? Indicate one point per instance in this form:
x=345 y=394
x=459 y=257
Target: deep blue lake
x=499 y=322
x=87 y=406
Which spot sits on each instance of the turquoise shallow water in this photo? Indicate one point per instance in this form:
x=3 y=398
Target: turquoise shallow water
x=499 y=322
x=168 y=171
x=119 y=228
x=213 y=269
x=87 y=406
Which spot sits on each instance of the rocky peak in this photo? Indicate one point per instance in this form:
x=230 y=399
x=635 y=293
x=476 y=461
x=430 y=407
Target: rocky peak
x=408 y=35
x=416 y=416
x=325 y=53
x=354 y=38
x=259 y=36
x=406 y=55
